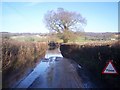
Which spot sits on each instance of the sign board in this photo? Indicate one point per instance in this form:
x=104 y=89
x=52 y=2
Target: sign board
x=109 y=69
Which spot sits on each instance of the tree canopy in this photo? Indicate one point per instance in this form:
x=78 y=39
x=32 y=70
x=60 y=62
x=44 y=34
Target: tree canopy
x=62 y=21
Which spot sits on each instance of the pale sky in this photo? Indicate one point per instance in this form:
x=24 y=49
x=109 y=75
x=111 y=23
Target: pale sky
x=28 y=16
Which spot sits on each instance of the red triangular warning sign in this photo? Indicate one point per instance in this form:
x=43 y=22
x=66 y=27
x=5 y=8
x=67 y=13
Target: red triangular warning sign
x=109 y=69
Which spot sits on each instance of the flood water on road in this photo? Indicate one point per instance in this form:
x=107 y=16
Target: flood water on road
x=53 y=53
x=40 y=69
x=54 y=71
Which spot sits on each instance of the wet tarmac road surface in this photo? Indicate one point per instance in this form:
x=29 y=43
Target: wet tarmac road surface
x=54 y=71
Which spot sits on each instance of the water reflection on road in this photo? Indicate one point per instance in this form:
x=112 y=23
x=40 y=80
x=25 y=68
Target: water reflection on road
x=50 y=57
x=53 y=53
x=54 y=71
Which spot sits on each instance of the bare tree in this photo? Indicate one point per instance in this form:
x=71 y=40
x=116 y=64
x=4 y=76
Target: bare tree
x=62 y=21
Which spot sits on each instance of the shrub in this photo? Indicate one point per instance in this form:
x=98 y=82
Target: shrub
x=17 y=57
x=94 y=57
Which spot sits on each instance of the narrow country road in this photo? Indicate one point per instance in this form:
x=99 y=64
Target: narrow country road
x=53 y=72
x=60 y=74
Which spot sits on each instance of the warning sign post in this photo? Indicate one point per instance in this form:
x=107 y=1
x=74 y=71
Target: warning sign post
x=109 y=69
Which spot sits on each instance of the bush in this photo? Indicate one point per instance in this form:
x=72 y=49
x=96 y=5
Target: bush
x=94 y=57
x=17 y=57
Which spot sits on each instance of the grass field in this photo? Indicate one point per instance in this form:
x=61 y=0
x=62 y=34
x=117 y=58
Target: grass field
x=38 y=38
x=30 y=38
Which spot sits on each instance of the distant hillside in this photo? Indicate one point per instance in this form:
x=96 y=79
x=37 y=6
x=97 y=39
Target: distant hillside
x=8 y=34
x=101 y=36
x=86 y=35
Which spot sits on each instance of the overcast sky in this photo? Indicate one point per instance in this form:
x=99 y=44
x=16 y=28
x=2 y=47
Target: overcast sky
x=28 y=16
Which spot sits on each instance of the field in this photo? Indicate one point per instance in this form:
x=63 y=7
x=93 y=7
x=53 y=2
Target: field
x=30 y=38
x=94 y=56
x=17 y=57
